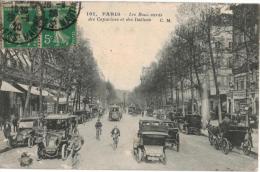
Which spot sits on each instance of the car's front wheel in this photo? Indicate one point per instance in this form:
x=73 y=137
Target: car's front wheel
x=139 y=155
x=39 y=153
x=64 y=152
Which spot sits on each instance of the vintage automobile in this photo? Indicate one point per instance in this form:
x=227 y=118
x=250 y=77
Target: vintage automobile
x=134 y=110
x=172 y=139
x=150 y=141
x=27 y=132
x=191 y=124
x=149 y=112
x=60 y=137
x=115 y=113
x=131 y=110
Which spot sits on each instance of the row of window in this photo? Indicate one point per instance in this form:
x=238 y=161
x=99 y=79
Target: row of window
x=240 y=82
x=218 y=45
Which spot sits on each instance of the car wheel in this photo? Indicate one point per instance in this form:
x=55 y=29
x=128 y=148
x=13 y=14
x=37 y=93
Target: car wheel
x=216 y=143
x=64 y=152
x=39 y=154
x=139 y=155
x=30 y=142
x=246 y=145
x=225 y=146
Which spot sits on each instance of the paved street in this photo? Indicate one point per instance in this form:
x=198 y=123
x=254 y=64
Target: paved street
x=195 y=152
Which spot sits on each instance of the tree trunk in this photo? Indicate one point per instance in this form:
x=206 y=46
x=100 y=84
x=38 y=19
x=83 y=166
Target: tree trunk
x=248 y=67
x=74 y=100
x=79 y=97
x=28 y=95
x=41 y=79
x=177 y=98
x=214 y=73
x=27 y=100
x=171 y=89
x=192 y=93
x=182 y=98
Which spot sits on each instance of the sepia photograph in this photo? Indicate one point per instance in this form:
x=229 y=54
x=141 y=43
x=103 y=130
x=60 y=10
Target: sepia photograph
x=161 y=86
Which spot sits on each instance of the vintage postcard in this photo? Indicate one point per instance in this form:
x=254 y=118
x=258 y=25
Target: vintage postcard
x=129 y=85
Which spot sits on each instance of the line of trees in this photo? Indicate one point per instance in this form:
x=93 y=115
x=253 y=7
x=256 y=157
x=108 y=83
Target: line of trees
x=185 y=61
x=71 y=70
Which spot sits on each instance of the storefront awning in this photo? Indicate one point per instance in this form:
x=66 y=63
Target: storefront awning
x=8 y=87
x=34 y=90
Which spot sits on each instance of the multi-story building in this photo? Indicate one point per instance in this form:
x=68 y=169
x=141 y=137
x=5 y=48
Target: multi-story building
x=244 y=84
x=16 y=71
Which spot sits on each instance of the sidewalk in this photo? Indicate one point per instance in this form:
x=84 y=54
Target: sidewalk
x=3 y=142
x=204 y=132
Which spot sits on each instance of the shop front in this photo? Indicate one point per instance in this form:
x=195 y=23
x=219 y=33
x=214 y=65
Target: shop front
x=241 y=101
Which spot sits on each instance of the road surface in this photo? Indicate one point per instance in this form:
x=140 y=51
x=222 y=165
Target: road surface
x=195 y=152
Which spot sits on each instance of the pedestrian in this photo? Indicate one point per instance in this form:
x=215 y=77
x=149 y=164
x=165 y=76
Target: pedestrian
x=15 y=122
x=1 y=123
x=7 y=129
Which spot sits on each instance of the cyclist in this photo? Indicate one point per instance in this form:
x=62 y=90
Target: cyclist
x=115 y=133
x=98 y=126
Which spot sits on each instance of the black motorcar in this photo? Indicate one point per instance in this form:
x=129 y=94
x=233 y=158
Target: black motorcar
x=172 y=139
x=59 y=137
x=191 y=124
x=131 y=110
x=115 y=113
x=150 y=141
x=27 y=132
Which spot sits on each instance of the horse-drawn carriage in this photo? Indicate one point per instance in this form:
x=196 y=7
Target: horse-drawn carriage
x=226 y=137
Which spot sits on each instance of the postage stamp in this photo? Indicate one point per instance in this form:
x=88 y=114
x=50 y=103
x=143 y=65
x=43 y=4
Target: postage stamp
x=22 y=23
x=39 y=24
x=60 y=38
x=60 y=15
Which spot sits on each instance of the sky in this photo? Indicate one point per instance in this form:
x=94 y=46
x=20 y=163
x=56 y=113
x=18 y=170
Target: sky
x=121 y=49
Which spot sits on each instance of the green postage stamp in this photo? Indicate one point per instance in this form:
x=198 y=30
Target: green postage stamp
x=39 y=24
